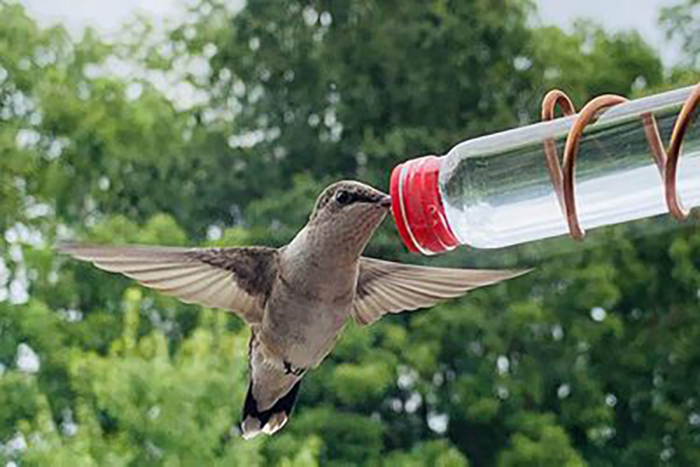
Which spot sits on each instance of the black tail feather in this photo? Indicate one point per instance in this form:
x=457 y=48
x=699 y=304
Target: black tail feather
x=284 y=404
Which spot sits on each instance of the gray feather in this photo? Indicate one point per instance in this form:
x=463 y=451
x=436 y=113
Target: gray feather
x=386 y=287
x=235 y=279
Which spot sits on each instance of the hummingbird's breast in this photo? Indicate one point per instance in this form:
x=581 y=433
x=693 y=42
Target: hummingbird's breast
x=306 y=312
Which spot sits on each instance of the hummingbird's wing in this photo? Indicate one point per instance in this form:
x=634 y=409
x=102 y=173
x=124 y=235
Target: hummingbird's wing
x=235 y=279
x=386 y=287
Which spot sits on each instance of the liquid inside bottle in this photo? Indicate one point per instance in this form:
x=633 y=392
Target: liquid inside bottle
x=496 y=190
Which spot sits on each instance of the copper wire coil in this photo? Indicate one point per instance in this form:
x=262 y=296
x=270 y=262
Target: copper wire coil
x=666 y=160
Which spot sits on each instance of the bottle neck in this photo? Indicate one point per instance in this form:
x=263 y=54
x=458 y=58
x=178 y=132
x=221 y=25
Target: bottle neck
x=417 y=206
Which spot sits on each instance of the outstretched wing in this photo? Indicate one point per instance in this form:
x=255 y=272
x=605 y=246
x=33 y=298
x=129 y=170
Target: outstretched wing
x=235 y=279
x=387 y=287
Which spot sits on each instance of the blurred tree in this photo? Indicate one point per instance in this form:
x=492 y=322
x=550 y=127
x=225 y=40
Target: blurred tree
x=590 y=62
x=590 y=359
x=681 y=23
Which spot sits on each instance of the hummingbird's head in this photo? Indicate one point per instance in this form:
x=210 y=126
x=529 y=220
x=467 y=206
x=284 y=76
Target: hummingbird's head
x=347 y=213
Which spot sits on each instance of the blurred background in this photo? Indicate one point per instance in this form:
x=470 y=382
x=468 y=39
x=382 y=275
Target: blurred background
x=214 y=122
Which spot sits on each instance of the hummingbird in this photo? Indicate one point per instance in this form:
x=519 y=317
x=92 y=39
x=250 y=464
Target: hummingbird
x=298 y=298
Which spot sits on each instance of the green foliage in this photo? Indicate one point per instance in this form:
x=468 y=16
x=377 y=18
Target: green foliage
x=681 y=22
x=534 y=443
x=619 y=64
x=437 y=453
x=590 y=359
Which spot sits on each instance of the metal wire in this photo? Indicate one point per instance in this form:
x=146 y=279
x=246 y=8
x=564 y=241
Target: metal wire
x=666 y=160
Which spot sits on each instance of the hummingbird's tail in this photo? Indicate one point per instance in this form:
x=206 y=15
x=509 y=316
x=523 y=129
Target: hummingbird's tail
x=267 y=421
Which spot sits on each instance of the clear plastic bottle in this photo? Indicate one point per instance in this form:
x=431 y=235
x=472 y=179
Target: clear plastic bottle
x=495 y=191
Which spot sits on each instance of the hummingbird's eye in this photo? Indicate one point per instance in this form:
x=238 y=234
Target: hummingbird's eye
x=343 y=198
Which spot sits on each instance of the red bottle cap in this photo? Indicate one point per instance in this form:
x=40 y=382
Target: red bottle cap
x=417 y=206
